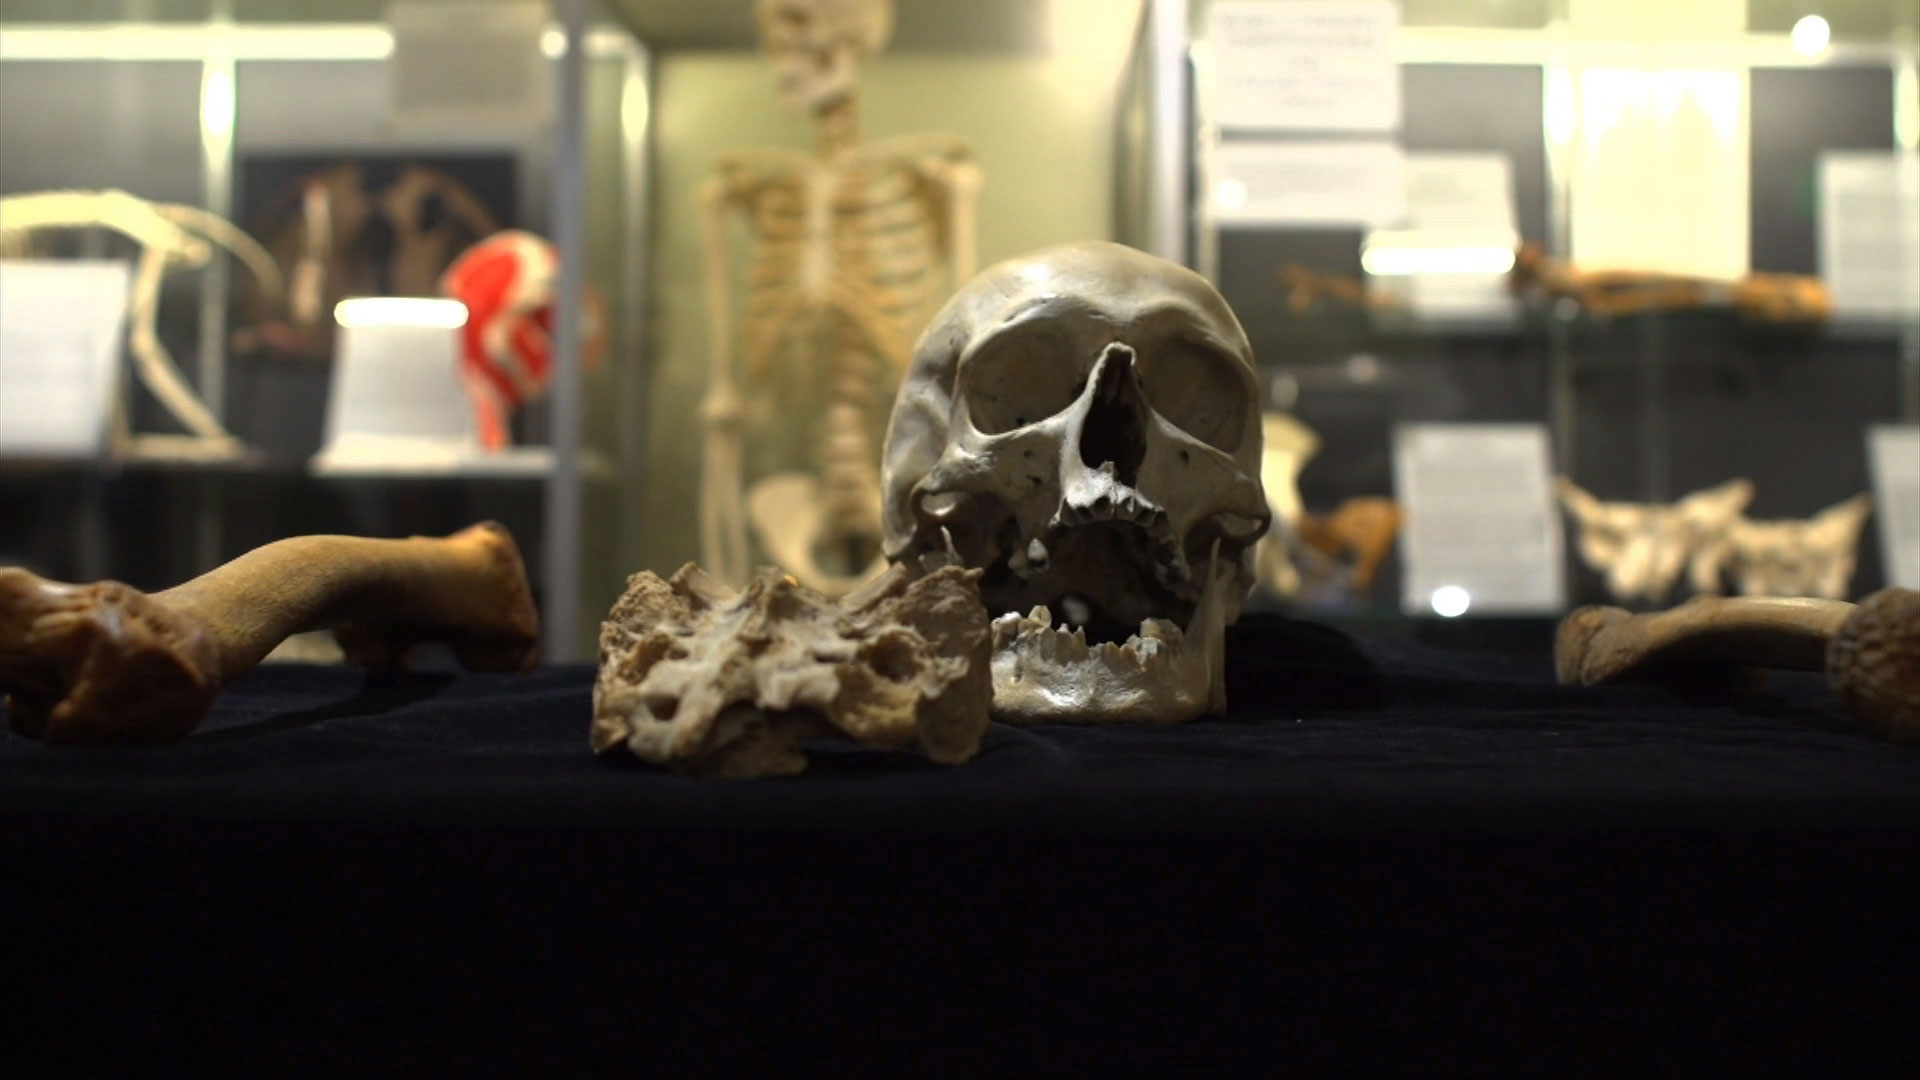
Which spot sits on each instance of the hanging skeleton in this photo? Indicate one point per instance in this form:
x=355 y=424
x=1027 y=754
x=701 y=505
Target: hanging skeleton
x=850 y=250
x=170 y=236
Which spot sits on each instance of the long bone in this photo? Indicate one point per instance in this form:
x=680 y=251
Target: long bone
x=1870 y=651
x=107 y=663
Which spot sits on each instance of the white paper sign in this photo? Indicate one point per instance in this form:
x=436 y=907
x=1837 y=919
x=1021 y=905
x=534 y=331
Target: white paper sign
x=1460 y=192
x=1661 y=164
x=1894 y=453
x=1356 y=183
x=60 y=327
x=1482 y=534
x=1304 y=65
x=397 y=381
x=1450 y=259
x=1870 y=232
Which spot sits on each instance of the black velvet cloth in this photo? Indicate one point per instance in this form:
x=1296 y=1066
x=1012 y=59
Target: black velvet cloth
x=1386 y=849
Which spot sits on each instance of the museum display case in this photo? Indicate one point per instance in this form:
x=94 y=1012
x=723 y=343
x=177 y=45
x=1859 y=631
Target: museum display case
x=974 y=531
x=1494 y=257
x=1679 y=242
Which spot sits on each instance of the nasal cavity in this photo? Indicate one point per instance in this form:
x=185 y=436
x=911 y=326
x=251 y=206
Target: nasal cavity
x=1116 y=425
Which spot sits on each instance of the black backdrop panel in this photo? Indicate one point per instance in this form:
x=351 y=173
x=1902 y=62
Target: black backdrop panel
x=1446 y=107
x=1797 y=114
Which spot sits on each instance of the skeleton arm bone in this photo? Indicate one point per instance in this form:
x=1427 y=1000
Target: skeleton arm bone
x=723 y=530
x=961 y=180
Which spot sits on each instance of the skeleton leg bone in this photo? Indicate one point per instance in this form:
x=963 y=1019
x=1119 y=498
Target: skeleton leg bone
x=1869 y=651
x=107 y=663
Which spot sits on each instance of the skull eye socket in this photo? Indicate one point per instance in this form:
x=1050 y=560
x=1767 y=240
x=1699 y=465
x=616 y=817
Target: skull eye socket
x=1198 y=392
x=1021 y=379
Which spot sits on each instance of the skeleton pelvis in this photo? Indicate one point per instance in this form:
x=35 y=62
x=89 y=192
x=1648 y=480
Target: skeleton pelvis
x=789 y=513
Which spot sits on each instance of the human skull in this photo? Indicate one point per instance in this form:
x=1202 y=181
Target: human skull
x=816 y=45
x=1083 y=426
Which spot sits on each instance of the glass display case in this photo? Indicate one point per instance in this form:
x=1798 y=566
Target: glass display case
x=363 y=151
x=1680 y=245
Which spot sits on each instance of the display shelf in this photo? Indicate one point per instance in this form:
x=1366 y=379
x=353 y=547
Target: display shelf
x=515 y=463
x=426 y=461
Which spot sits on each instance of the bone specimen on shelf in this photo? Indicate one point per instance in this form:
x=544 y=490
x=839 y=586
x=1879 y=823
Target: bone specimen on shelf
x=107 y=663
x=1811 y=557
x=1287 y=446
x=1777 y=298
x=1359 y=531
x=1869 y=651
x=850 y=249
x=170 y=237
x=1641 y=548
x=706 y=681
x=1083 y=425
x=1308 y=291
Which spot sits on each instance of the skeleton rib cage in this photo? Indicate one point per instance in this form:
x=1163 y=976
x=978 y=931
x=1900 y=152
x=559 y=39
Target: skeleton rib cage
x=847 y=259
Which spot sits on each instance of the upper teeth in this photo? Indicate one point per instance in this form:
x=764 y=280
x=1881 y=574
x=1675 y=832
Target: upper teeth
x=1128 y=507
x=1162 y=674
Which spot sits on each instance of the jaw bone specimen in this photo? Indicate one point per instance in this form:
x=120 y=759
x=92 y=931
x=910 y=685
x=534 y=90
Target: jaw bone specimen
x=850 y=249
x=1641 y=548
x=1082 y=425
x=170 y=237
x=1812 y=557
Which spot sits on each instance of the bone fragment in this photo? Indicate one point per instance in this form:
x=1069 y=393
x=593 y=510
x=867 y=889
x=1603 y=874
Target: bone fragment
x=1869 y=651
x=105 y=662
x=709 y=682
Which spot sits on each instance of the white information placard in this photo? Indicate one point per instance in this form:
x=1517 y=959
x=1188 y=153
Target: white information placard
x=1482 y=533
x=1451 y=258
x=396 y=392
x=1870 y=232
x=1304 y=65
x=1894 y=455
x=1352 y=183
x=60 y=335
